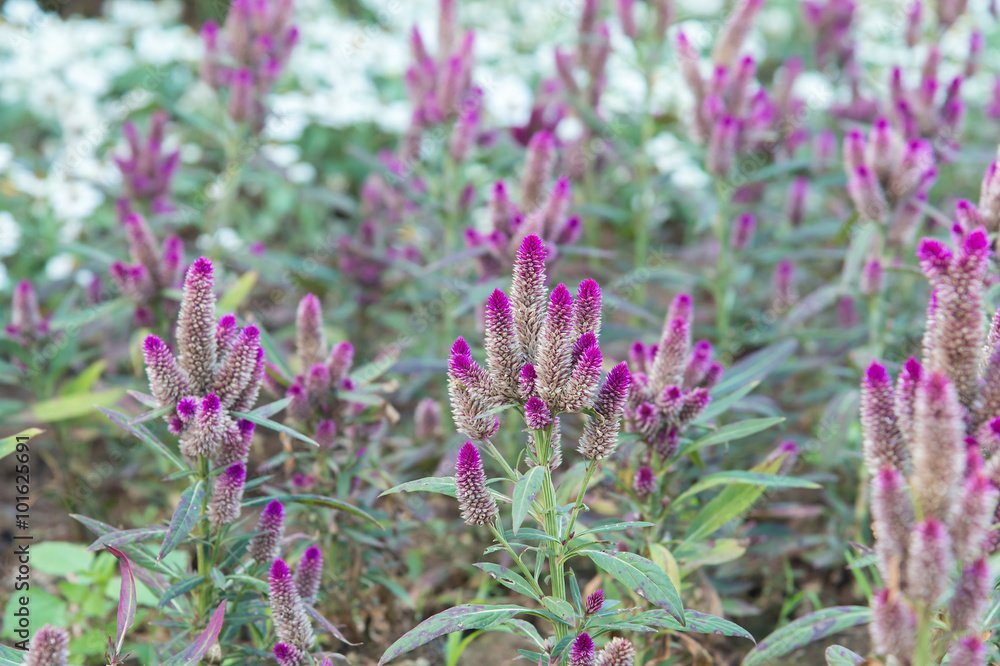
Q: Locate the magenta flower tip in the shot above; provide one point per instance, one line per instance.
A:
(187, 408)
(202, 267)
(236, 473)
(280, 570)
(594, 602)
(913, 368)
(153, 344)
(312, 554)
(210, 403)
(934, 252)
(468, 457)
(275, 510)
(876, 374)
(498, 300)
(977, 240)
(461, 348)
(532, 248)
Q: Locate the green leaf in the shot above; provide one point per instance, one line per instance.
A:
(271, 408)
(806, 630)
(58, 558)
(508, 578)
(732, 432)
(314, 500)
(695, 622)
(84, 381)
(445, 485)
(615, 526)
(643, 577)
(696, 554)
(837, 655)
(128, 602)
(179, 588)
(274, 425)
(531, 534)
(732, 502)
(459, 618)
(69, 407)
(9, 444)
(185, 516)
(233, 298)
(756, 366)
(525, 491)
(741, 477)
(560, 608)
(722, 405)
(142, 433)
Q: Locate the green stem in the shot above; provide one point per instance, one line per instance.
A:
(549, 507)
(508, 470)
(922, 654)
(498, 533)
(587, 475)
(205, 588)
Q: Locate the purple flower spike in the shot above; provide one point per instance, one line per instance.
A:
(196, 326)
(972, 597)
(892, 517)
(167, 382)
(265, 546)
(722, 146)
(427, 419)
(883, 443)
(937, 448)
(672, 353)
(288, 614)
(309, 338)
(588, 308)
(339, 362)
(537, 169)
(308, 574)
(968, 651)
(503, 359)
(326, 434)
(795, 206)
(537, 414)
(581, 652)
(555, 348)
(929, 562)
(600, 435)
(974, 517)
(527, 295)
(237, 375)
(743, 231)
(227, 493)
(594, 603)
(894, 625)
(586, 375)
(644, 483)
(526, 381)
(477, 504)
(289, 655)
(49, 647)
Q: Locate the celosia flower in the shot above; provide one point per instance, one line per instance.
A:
(971, 598)
(937, 446)
(892, 519)
(27, 323)
(581, 651)
(537, 414)
(265, 546)
(929, 562)
(644, 482)
(167, 382)
(147, 171)
(973, 517)
(289, 655)
(502, 354)
(227, 493)
(527, 295)
(871, 278)
(587, 315)
(326, 434)
(883, 442)
(618, 652)
(967, 651)
(537, 169)
(743, 231)
(49, 647)
(600, 434)
(196, 326)
(239, 372)
(905, 395)
(795, 205)
(474, 498)
(593, 603)
(310, 341)
(288, 614)
(784, 293)
(308, 574)
(894, 625)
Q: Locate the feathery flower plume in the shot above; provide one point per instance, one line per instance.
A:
(167, 382)
(308, 574)
(196, 326)
(893, 626)
(427, 419)
(49, 647)
(905, 396)
(581, 651)
(972, 597)
(227, 493)
(892, 514)
(593, 603)
(238, 371)
(478, 506)
(289, 655)
(527, 295)
(600, 435)
(929, 562)
(968, 651)
(795, 206)
(618, 652)
(883, 442)
(288, 614)
(537, 414)
(578, 394)
(147, 170)
(537, 169)
(339, 361)
(503, 359)
(265, 546)
(309, 337)
(784, 293)
(937, 446)
(973, 517)
(735, 32)
(644, 482)
(587, 315)
(27, 323)
(743, 230)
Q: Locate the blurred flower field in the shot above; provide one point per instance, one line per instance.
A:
(572, 333)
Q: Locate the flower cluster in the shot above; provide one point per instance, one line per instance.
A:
(889, 176)
(542, 355)
(617, 652)
(831, 21)
(218, 370)
(288, 613)
(671, 381)
(152, 269)
(315, 404)
(248, 54)
(147, 170)
(27, 325)
(929, 109)
(934, 498)
(440, 87)
(49, 647)
(541, 212)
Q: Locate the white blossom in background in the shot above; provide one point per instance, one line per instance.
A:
(10, 234)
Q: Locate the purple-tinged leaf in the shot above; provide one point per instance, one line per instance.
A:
(120, 538)
(327, 625)
(185, 516)
(144, 435)
(838, 655)
(127, 599)
(643, 577)
(806, 630)
(313, 500)
(459, 618)
(194, 652)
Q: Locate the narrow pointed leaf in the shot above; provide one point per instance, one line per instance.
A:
(806, 630)
(185, 516)
(459, 618)
(525, 491)
(314, 500)
(127, 599)
(643, 577)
